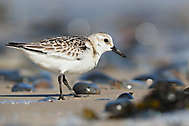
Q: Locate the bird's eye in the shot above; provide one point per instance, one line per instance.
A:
(106, 40)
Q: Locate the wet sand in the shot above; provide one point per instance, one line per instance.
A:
(27, 111)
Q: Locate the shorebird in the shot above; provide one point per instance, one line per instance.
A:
(68, 54)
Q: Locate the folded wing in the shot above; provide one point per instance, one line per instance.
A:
(68, 47)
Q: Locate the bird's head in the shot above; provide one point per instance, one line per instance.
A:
(103, 43)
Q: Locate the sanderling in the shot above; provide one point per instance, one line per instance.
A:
(68, 54)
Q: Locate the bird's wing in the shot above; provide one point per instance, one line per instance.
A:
(68, 47)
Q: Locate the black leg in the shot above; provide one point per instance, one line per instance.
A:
(61, 97)
(68, 86)
(66, 82)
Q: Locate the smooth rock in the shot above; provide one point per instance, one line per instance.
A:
(164, 98)
(10, 75)
(97, 77)
(120, 108)
(171, 82)
(186, 90)
(145, 77)
(86, 88)
(135, 84)
(126, 95)
(22, 87)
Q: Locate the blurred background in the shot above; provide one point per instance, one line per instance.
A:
(151, 33)
(154, 34)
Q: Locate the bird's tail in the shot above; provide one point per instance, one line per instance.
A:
(15, 45)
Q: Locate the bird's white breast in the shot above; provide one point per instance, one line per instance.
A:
(82, 65)
(62, 65)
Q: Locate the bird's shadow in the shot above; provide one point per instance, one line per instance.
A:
(45, 98)
(31, 95)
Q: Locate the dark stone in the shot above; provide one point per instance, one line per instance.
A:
(135, 84)
(145, 77)
(164, 98)
(86, 88)
(171, 82)
(10, 75)
(160, 78)
(186, 90)
(161, 99)
(22, 87)
(119, 108)
(97, 77)
(126, 95)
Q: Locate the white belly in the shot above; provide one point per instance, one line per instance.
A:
(63, 65)
(81, 66)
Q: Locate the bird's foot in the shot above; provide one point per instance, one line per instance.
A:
(61, 97)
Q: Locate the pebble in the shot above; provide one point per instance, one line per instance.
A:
(10, 75)
(119, 108)
(149, 79)
(86, 88)
(97, 77)
(161, 99)
(164, 98)
(159, 78)
(172, 82)
(145, 77)
(22, 87)
(126, 95)
(135, 84)
(186, 90)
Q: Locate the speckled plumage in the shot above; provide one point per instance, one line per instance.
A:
(73, 46)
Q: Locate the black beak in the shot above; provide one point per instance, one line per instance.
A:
(114, 49)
